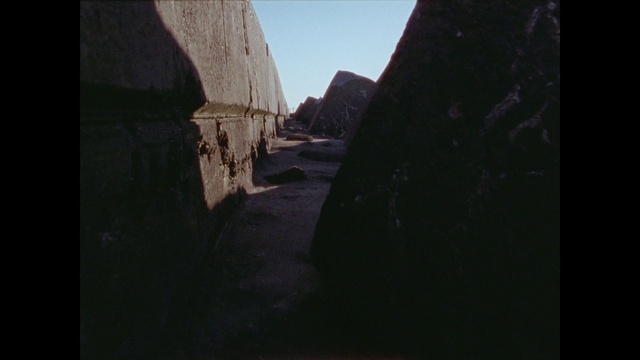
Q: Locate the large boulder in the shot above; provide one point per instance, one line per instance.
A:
(441, 228)
(345, 96)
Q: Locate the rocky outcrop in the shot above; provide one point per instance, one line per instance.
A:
(345, 96)
(441, 229)
(177, 101)
(306, 110)
(354, 125)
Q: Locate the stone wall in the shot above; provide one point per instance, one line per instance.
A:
(178, 98)
(441, 229)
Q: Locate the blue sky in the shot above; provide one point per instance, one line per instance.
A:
(311, 40)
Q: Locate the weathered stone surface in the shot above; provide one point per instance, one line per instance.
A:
(306, 110)
(225, 53)
(345, 96)
(441, 229)
(178, 98)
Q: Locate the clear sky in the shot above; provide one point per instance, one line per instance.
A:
(311, 40)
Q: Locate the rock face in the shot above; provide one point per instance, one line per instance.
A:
(177, 101)
(354, 125)
(441, 229)
(307, 109)
(346, 94)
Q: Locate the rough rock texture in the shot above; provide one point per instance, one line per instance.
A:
(441, 229)
(227, 59)
(306, 110)
(345, 95)
(354, 125)
(177, 101)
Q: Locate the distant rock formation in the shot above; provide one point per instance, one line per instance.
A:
(441, 229)
(177, 100)
(306, 110)
(345, 96)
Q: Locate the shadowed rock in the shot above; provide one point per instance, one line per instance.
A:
(354, 125)
(441, 229)
(347, 94)
(304, 113)
(293, 173)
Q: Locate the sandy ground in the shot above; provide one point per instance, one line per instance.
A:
(261, 297)
(263, 255)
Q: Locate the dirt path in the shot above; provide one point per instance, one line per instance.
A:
(261, 297)
(264, 253)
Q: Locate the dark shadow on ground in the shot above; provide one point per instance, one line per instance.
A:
(261, 297)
